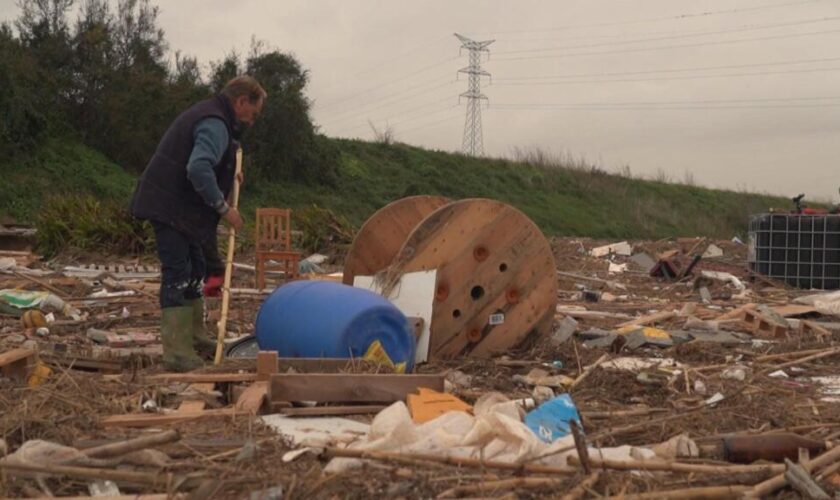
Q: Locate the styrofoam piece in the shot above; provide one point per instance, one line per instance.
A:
(620, 248)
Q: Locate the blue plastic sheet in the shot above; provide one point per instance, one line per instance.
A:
(551, 420)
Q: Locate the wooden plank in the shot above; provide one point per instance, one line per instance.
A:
(649, 319)
(812, 328)
(43, 284)
(155, 419)
(793, 310)
(251, 401)
(193, 378)
(14, 355)
(349, 387)
(583, 314)
(266, 364)
(325, 411)
(735, 313)
(83, 363)
(15, 253)
(314, 365)
(17, 363)
(199, 403)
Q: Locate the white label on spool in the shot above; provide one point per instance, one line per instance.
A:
(497, 319)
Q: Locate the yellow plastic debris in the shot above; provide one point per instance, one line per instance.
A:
(376, 353)
(39, 374)
(430, 404)
(650, 332)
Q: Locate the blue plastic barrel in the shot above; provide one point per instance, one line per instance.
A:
(321, 319)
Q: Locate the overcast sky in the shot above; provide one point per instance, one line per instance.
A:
(734, 93)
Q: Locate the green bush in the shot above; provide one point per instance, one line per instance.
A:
(323, 231)
(85, 223)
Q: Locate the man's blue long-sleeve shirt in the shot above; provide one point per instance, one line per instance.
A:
(210, 142)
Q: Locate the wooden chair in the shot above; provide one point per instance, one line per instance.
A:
(274, 242)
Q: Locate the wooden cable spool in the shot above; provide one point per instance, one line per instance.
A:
(381, 237)
(496, 280)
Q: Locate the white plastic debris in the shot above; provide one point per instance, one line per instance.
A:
(620, 248)
(291, 456)
(829, 388)
(679, 446)
(103, 488)
(542, 393)
(712, 251)
(317, 431)
(617, 268)
(738, 373)
(715, 399)
(637, 364)
(728, 277)
(105, 294)
(496, 432)
(316, 258)
(825, 303)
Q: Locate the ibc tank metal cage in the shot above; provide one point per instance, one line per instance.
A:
(803, 250)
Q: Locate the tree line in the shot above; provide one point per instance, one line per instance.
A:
(108, 78)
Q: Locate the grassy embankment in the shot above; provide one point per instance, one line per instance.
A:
(74, 193)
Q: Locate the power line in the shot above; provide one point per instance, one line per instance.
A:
(377, 87)
(694, 101)
(657, 19)
(614, 36)
(672, 78)
(658, 108)
(423, 106)
(398, 113)
(449, 117)
(701, 104)
(386, 103)
(673, 70)
(680, 36)
(412, 118)
(665, 47)
(386, 61)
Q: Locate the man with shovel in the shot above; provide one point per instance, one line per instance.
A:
(182, 193)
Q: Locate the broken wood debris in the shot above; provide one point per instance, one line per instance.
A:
(331, 388)
(787, 365)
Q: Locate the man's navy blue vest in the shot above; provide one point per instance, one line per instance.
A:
(165, 194)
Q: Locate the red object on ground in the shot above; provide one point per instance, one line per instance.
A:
(213, 285)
